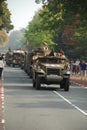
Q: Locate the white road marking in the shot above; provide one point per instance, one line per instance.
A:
(76, 107)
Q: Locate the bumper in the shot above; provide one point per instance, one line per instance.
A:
(54, 78)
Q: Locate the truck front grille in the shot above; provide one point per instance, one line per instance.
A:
(53, 71)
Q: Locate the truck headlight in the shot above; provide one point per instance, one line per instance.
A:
(68, 72)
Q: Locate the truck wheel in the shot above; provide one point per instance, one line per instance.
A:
(34, 84)
(66, 84)
(13, 65)
(62, 85)
(30, 73)
(38, 83)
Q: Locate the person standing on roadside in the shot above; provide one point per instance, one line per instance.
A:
(77, 66)
(1, 66)
(73, 66)
(83, 68)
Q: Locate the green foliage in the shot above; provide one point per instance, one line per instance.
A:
(3, 37)
(67, 22)
(36, 34)
(39, 1)
(5, 22)
(5, 15)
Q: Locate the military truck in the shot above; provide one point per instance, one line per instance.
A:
(18, 57)
(9, 58)
(51, 70)
(30, 59)
(28, 63)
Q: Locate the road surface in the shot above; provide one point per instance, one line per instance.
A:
(47, 109)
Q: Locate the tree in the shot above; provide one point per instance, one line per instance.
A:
(68, 19)
(3, 37)
(36, 34)
(16, 40)
(5, 22)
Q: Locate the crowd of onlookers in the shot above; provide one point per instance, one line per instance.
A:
(79, 68)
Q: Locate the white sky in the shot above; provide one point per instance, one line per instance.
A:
(22, 12)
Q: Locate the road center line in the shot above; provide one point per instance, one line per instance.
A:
(76, 107)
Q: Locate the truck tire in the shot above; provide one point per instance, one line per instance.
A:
(34, 84)
(66, 84)
(38, 82)
(62, 85)
(30, 73)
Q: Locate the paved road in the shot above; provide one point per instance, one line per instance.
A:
(45, 109)
(1, 105)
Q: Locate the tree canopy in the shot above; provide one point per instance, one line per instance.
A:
(16, 40)
(5, 21)
(36, 34)
(62, 24)
(68, 19)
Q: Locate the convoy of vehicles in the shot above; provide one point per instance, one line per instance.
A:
(42, 67)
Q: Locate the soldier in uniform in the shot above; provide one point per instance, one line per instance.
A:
(45, 48)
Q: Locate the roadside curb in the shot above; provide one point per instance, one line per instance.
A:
(78, 84)
(74, 83)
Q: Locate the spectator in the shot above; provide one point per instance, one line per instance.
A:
(77, 66)
(1, 66)
(83, 68)
(73, 67)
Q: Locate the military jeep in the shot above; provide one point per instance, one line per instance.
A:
(51, 70)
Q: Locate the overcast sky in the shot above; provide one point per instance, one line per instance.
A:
(22, 12)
